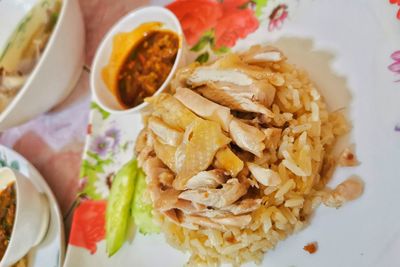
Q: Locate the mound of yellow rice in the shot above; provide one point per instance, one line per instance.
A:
(302, 158)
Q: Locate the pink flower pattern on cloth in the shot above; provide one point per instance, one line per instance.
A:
(277, 18)
(395, 67)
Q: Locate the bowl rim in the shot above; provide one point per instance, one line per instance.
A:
(16, 178)
(14, 102)
(108, 38)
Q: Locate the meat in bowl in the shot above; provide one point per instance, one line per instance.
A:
(23, 50)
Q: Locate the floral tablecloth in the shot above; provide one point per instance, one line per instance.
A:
(54, 141)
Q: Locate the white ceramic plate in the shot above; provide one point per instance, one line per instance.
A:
(349, 49)
(50, 252)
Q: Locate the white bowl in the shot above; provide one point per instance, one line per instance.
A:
(58, 69)
(31, 216)
(101, 93)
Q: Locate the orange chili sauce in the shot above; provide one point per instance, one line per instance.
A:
(137, 71)
(147, 67)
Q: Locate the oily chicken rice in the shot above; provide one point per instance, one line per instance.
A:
(237, 156)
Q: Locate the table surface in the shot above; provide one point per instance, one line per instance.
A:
(53, 142)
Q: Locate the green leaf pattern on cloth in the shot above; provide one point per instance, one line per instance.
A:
(260, 4)
(106, 147)
(103, 113)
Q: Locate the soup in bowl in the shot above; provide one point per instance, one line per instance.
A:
(7, 215)
(24, 216)
(41, 56)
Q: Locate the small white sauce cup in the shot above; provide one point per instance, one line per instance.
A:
(102, 95)
(31, 216)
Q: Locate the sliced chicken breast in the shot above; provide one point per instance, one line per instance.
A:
(204, 75)
(264, 176)
(227, 160)
(211, 213)
(188, 207)
(171, 111)
(166, 134)
(239, 208)
(204, 107)
(182, 75)
(240, 221)
(254, 98)
(262, 54)
(154, 168)
(247, 137)
(205, 139)
(244, 206)
(165, 153)
(230, 192)
(166, 199)
(172, 216)
(206, 179)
